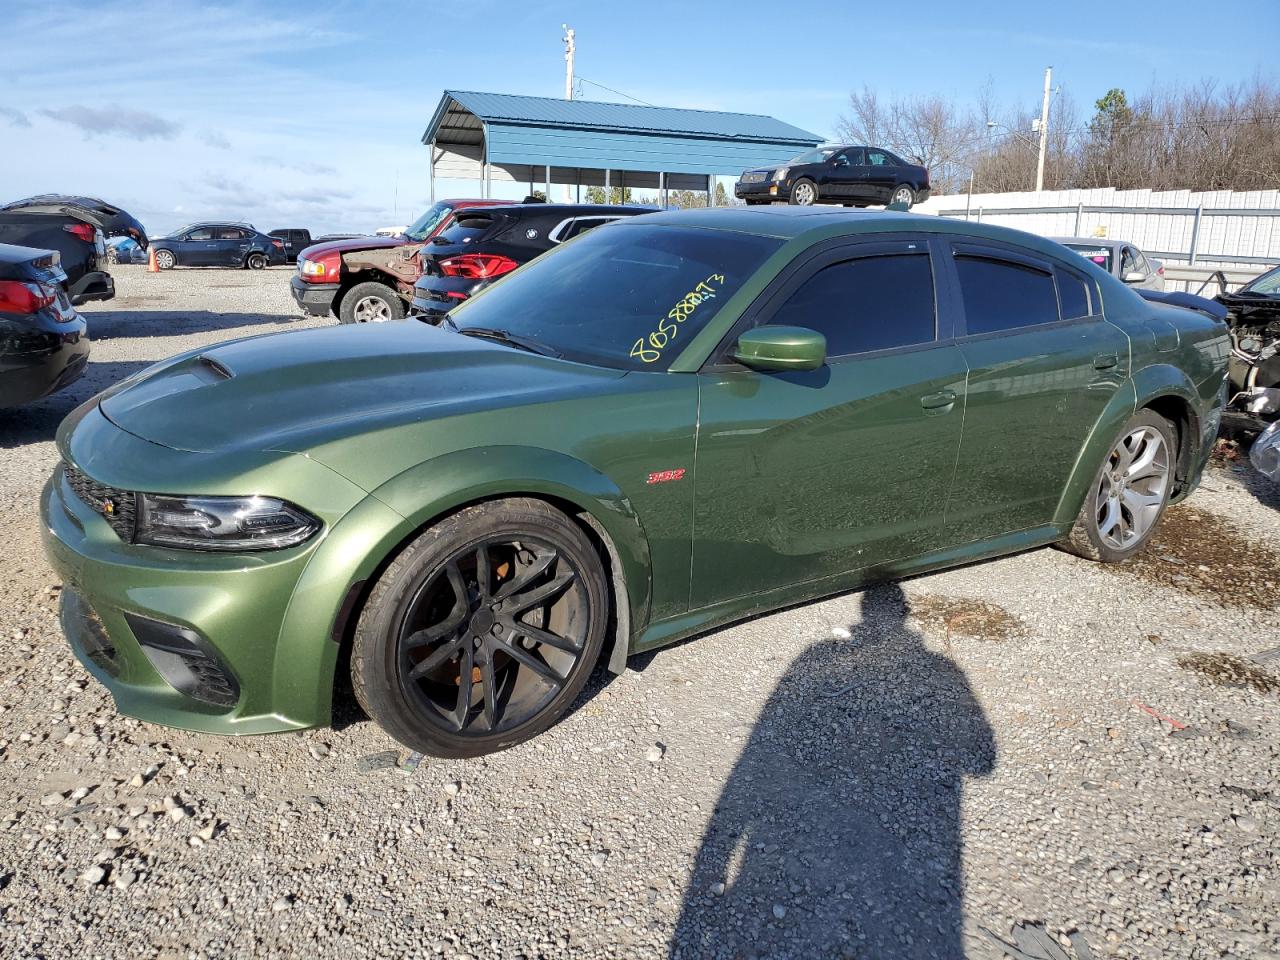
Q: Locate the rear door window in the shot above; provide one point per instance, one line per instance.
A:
(1004, 295)
(230, 233)
(867, 303)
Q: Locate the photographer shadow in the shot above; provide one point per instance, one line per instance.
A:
(838, 834)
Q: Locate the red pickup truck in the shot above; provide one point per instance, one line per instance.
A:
(370, 279)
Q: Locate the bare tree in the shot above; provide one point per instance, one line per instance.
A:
(931, 131)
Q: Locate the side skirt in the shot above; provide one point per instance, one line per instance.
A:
(674, 629)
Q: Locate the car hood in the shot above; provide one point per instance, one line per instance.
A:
(355, 243)
(112, 221)
(292, 392)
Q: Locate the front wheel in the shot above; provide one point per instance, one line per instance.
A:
(904, 194)
(804, 193)
(482, 632)
(370, 302)
(1129, 493)
(165, 260)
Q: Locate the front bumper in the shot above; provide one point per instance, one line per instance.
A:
(92, 286)
(220, 643)
(314, 298)
(764, 190)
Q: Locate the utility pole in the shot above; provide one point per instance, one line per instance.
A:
(1044, 129)
(570, 47)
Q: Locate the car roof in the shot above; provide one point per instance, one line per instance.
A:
(1092, 241)
(563, 210)
(820, 223)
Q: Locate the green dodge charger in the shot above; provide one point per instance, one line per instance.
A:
(667, 424)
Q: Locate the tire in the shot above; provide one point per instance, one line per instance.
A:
(486, 639)
(165, 260)
(804, 193)
(903, 194)
(370, 302)
(1108, 528)
(256, 261)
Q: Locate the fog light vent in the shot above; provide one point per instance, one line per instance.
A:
(83, 626)
(186, 660)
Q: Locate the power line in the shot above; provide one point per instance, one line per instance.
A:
(618, 92)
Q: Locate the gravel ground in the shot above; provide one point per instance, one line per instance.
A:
(1031, 749)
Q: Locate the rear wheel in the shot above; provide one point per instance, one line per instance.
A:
(483, 630)
(256, 261)
(165, 260)
(904, 194)
(804, 193)
(370, 302)
(1129, 493)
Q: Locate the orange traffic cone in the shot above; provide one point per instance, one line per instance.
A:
(151, 261)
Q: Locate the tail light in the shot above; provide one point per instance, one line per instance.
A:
(1160, 270)
(82, 230)
(278, 243)
(477, 266)
(324, 269)
(19, 297)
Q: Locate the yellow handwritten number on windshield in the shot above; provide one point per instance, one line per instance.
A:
(649, 349)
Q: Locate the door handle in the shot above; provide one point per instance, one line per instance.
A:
(1105, 361)
(942, 400)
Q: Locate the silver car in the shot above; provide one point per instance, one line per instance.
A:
(1120, 259)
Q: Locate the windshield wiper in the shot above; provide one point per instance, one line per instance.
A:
(511, 340)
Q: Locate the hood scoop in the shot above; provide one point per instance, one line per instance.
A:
(215, 369)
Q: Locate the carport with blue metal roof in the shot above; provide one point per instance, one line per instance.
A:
(543, 141)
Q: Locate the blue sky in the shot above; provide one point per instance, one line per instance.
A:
(310, 114)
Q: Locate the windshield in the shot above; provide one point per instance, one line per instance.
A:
(422, 228)
(1267, 285)
(1091, 251)
(623, 296)
(821, 155)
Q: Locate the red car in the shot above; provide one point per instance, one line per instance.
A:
(370, 279)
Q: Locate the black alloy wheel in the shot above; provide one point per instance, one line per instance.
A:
(486, 633)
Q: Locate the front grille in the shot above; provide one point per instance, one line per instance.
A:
(118, 507)
(753, 178)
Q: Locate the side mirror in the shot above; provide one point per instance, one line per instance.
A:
(1133, 276)
(781, 348)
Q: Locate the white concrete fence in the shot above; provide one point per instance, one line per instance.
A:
(1194, 234)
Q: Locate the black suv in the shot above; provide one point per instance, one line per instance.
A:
(851, 175)
(487, 242)
(219, 244)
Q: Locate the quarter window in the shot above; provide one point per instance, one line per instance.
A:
(1002, 295)
(871, 303)
(1073, 295)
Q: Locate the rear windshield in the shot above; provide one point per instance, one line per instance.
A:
(629, 296)
(467, 230)
(1091, 251)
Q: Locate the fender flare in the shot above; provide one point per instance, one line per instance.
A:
(360, 544)
(1140, 390)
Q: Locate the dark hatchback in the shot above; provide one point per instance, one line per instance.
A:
(76, 227)
(851, 175)
(485, 243)
(219, 244)
(43, 341)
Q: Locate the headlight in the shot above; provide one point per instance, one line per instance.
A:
(781, 173)
(222, 523)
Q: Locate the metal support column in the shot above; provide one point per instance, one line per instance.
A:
(431, 169)
(487, 186)
(1079, 219)
(662, 189)
(606, 186)
(548, 183)
(711, 191)
(1195, 232)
